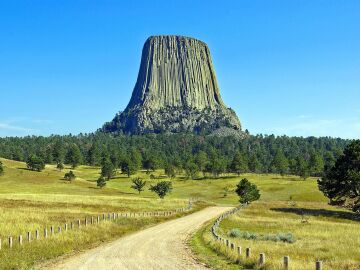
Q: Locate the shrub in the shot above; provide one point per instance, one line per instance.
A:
(69, 176)
(280, 237)
(235, 233)
(286, 237)
(35, 163)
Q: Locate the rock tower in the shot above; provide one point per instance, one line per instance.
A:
(176, 91)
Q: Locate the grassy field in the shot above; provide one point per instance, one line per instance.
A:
(34, 200)
(288, 206)
(31, 200)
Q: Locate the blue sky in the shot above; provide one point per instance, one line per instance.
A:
(285, 67)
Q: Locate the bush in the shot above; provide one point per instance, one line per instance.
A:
(286, 237)
(235, 233)
(69, 176)
(35, 163)
(280, 237)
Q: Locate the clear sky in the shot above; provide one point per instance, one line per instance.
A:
(285, 67)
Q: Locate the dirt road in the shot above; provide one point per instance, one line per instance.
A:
(159, 247)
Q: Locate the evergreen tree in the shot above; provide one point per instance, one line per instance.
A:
(129, 167)
(238, 164)
(280, 164)
(247, 191)
(162, 188)
(58, 152)
(191, 170)
(93, 156)
(254, 164)
(316, 164)
(170, 170)
(1, 168)
(69, 176)
(138, 184)
(74, 156)
(35, 163)
(201, 160)
(60, 166)
(108, 169)
(342, 182)
(101, 182)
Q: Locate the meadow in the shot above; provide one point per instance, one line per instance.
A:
(287, 206)
(30, 200)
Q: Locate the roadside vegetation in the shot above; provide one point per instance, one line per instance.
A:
(288, 220)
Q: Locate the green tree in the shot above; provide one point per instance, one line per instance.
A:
(316, 164)
(247, 191)
(101, 182)
(1, 168)
(138, 184)
(341, 184)
(93, 155)
(170, 170)
(300, 167)
(108, 169)
(128, 167)
(280, 164)
(191, 170)
(238, 164)
(254, 164)
(69, 176)
(60, 166)
(150, 164)
(162, 188)
(201, 160)
(35, 163)
(58, 152)
(74, 156)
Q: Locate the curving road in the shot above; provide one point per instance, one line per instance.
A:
(159, 247)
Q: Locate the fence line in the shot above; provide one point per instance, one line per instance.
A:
(231, 246)
(88, 221)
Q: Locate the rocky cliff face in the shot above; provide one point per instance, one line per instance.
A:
(176, 91)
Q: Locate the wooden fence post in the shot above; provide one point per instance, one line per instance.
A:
(98, 219)
(20, 240)
(36, 234)
(318, 265)
(103, 216)
(248, 252)
(262, 259)
(52, 230)
(65, 227)
(79, 223)
(71, 225)
(29, 236)
(0, 243)
(10, 242)
(59, 229)
(239, 250)
(227, 242)
(286, 262)
(86, 223)
(114, 216)
(92, 220)
(45, 233)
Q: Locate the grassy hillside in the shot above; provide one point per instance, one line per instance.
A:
(323, 232)
(34, 200)
(30, 200)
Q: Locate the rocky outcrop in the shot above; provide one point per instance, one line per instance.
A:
(176, 91)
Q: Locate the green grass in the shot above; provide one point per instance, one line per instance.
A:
(329, 233)
(31, 200)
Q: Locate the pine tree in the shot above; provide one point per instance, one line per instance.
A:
(101, 182)
(247, 191)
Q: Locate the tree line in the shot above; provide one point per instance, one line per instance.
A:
(194, 155)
